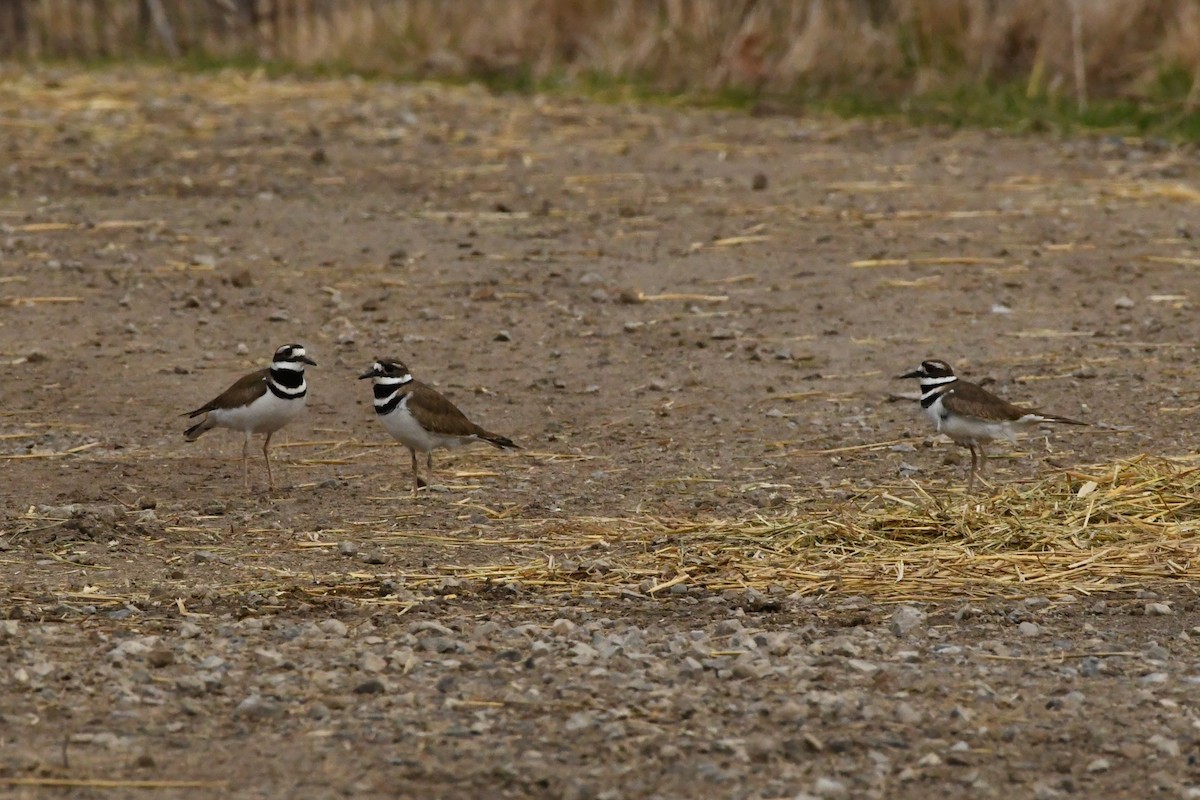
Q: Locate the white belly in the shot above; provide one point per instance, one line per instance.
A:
(405, 429)
(967, 430)
(267, 414)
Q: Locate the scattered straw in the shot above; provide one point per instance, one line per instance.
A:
(100, 783)
(1101, 529)
(57, 454)
(34, 301)
(1049, 333)
(1109, 528)
(736, 241)
(681, 297)
(928, 262)
(1181, 261)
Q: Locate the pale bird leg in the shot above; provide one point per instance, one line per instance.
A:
(267, 456)
(245, 469)
(974, 468)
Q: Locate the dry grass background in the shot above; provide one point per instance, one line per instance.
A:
(1073, 48)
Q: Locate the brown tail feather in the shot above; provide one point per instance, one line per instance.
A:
(1062, 420)
(503, 442)
(193, 433)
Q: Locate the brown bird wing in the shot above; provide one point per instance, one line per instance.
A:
(436, 413)
(245, 391)
(971, 400)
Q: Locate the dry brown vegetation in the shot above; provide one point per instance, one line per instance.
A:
(1098, 48)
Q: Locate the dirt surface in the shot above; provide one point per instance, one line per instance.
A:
(676, 313)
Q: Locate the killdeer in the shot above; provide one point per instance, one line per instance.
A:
(261, 402)
(970, 414)
(420, 418)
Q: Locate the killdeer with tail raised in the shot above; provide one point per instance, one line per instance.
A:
(420, 418)
(971, 415)
(261, 402)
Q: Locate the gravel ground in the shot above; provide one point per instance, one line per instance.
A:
(1040, 698)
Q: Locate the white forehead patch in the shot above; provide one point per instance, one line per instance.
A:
(287, 355)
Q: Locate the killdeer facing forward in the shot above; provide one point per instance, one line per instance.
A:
(420, 418)
(261, 402)
(970, 414)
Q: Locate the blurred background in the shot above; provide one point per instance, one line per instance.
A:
(874, 51)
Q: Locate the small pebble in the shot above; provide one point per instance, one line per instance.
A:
(372, 662)
(255, 707)
(905, 620)
(859, 665)
(334, 627)
(160, 658)
(580, 720)
(828, 787)
(563, 627)
(1165, 745)
(372, 686)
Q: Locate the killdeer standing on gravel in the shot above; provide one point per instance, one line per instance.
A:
(261, 402)
(970, 414)
(420, 418)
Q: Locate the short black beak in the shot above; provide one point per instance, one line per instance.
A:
(371, 373)
(916, 373)
(307, 360)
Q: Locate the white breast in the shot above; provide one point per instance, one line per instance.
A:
(965, 430)
(267, 414)
(404, 428)
(934, 411)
